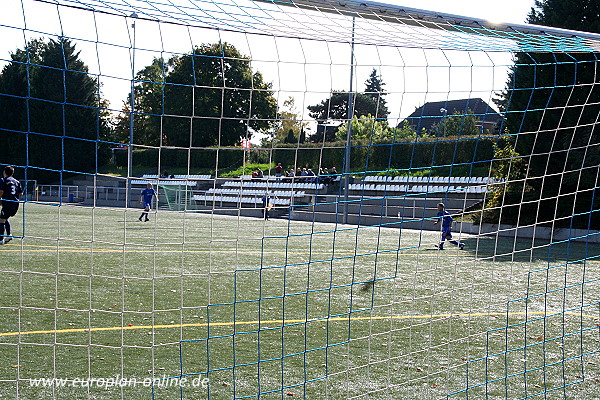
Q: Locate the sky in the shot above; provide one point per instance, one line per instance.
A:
(305, 70)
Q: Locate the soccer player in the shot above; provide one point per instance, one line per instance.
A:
(146, 200)
(446, 219)
(266, 202)
(10, 190)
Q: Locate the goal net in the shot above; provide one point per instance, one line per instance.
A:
(312, 198)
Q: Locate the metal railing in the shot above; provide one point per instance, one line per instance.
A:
(61, 191)
(105, 193)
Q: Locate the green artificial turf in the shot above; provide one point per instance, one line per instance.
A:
(285, 309)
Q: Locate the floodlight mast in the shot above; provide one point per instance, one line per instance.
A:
(434, 20)
(129, 195)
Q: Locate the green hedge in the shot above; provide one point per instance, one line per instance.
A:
(199, 159)
(469, 152)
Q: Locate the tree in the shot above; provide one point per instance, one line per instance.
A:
(148, 94)
(336, 107)
(290, 138)
(405, 131)
(48, 92)
(552, 101)
(207, 98)
(302, 138)
(288, 126)
(457, 124)
(374, 89)
(366, 128)
(503, 202)
(324, 133)
(581, 15)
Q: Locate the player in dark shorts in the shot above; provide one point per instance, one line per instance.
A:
(10, 190)
(446, 219)
(146, 200)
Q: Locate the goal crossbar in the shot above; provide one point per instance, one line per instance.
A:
(436, 20)
(526, 37)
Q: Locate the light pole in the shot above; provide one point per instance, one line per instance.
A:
(444, 114)
(131, 115)
(346, 181)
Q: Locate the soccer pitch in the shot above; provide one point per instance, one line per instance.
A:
(279, 308)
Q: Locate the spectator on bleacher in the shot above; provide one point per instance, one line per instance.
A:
(254, 175)
(324, 177)
(304, 175)
(289, 176)
(334, 176)
(164, 174)
(278, 170)
(311, 175)
(298, 175)
(260, 174)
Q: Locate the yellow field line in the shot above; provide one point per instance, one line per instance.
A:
(16, 248)
(178, 251)
(72, 249)
(280, 322)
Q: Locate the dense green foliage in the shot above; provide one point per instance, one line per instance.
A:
(366, 129)
(552, 102)
(147, 105)
(452, 156)
(335, 108)
(207, 98)
(504, 202)
(46, 90)
(457, 124)
(288, 126)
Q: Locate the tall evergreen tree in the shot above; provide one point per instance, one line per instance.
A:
(374, 89)
(290, 138)
(46, 90)
(552, 102)
(288, 121)
(581, 15)
(335, 108)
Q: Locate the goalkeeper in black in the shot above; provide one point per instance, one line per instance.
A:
(10, 191)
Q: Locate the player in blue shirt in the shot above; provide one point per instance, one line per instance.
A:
(446, 219)
(266, 202)
(146, 200)
(10, 190)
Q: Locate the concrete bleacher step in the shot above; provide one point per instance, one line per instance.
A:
(353, 219)
(365, 220)
(89, 180)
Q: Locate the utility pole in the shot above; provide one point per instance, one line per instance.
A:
(129, 196)
(346, 177)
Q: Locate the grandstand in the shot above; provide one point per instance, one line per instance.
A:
(371, 198)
